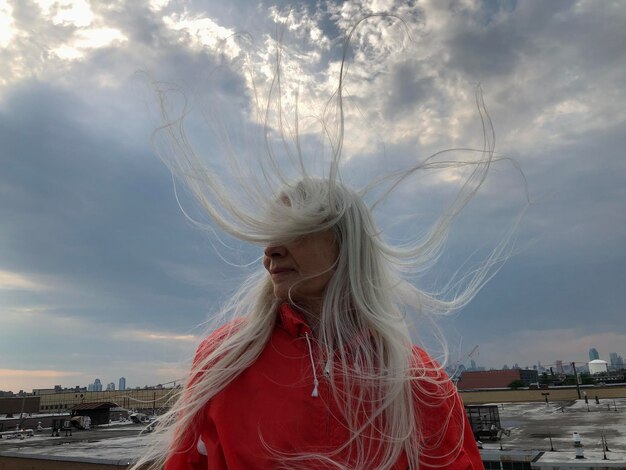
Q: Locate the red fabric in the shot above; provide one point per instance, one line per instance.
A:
(271, 401)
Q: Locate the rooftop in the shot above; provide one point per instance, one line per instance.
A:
(542, 427)
(531, 426)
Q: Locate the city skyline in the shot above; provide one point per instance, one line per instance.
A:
(100, 270)
(614, 360)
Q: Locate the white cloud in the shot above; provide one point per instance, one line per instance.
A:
(16, 281)
(7, 30)
(86, 39)
(204, 32)
(69, 12)
(154, 336)
(158, 5)
(27, 379)
(24, 373)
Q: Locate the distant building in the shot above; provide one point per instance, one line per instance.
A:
(96, 386)
(122, 383)
(59, 389)
(471, 380)
(19, 405)
(598, 366)
(100, 413)
(616, 360)
(593, 354)
(111, 386)
(559, 367)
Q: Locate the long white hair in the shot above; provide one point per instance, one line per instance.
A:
(368, 292)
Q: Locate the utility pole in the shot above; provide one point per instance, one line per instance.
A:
(576, 377)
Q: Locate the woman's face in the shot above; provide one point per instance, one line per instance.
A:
(302, 268)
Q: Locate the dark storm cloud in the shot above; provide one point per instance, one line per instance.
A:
(486, 52)
(488, 49)
(490, 43)
(570, 268)
(408, 87)
(87, 211)
(91, 205)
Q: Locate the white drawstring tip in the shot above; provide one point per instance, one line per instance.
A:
(315, 393)
(201, 447)
(316, 382)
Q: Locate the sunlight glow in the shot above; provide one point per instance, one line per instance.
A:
(204, 32)
(44, 374)
(67, 52)
(88, 39)
(69, 12)
(14, 281)
(158, 5)
(143, 335)
(6, 23)
(98, 37)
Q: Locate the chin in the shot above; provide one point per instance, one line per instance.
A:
(281, 295)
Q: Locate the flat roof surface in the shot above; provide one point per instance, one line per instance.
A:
(109, 442)
(530, 424)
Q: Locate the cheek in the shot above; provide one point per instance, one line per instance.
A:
(328, 259)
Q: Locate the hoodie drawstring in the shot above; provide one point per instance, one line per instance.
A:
(315, 392)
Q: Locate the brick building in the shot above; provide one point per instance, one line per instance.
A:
(471, 380)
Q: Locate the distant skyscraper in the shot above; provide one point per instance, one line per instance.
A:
(122, 383)
(559, 367)
(473, 364)
(616, 360)
(111, 386)
(97, 385)
(593, 354)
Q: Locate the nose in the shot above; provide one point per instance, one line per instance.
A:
(272, 251)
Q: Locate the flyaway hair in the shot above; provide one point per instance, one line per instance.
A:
(363, 328)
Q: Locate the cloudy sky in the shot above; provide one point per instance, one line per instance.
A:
(101, 274)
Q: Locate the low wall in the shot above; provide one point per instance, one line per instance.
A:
(15, 461)
(46, 421)
(556, 394)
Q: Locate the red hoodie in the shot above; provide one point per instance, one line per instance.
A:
(271, 405)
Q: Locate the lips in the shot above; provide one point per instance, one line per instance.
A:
(276, 272)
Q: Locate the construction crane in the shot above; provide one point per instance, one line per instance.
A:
(453, 370)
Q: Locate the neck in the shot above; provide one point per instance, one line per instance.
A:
(311, 310)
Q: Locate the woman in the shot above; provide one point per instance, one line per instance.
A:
(316, 368)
